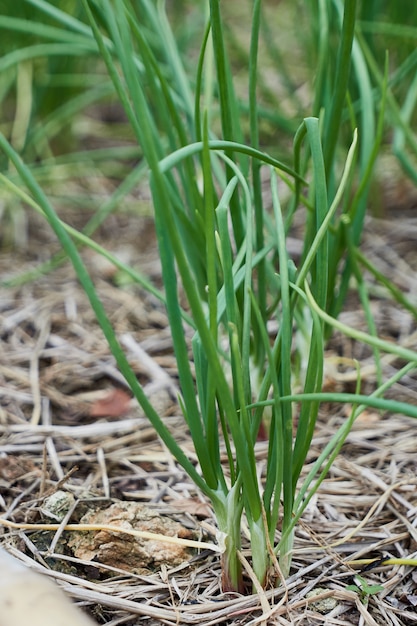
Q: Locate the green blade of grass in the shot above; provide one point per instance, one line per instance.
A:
(334, 116)
(284, 430)
(321, 269)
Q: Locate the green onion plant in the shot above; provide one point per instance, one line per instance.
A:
(260, 318)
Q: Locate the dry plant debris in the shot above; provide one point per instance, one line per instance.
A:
(67, 423)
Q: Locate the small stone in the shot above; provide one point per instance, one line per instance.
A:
(57, 505)
(324, 605)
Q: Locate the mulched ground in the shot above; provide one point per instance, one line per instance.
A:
(68, 425)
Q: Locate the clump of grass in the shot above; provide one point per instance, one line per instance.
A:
(228, 251)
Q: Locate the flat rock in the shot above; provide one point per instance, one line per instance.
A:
(127, 552)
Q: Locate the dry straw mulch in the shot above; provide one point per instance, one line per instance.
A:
(68, 425)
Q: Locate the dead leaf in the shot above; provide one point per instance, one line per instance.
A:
(115, 403)
(194, 506)
(14, 467)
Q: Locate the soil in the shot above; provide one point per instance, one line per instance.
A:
(68, 425)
